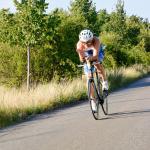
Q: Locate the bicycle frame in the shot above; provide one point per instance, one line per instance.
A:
(91, 79)
(96, 86)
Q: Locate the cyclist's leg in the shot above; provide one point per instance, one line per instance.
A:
(88, 76)
(101, 71)
(102, 74)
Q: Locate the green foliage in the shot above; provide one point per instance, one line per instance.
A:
(133, 30)
(65, 54)
(52, 39)
(111, 39)
(117, 22)
(31, 21)
(109, 61)
(102, 18)
(86, 10)
(145, 34)
(8, 26)
(13, 65)
(138, 55)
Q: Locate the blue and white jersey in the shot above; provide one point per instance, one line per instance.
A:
(89, 52)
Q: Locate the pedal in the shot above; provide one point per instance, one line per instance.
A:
(105, 93)
(102, 101)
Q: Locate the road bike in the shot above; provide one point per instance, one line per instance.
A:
(100, 97)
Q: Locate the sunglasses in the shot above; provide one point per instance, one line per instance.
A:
(88, 42)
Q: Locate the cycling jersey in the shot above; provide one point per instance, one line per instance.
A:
(94, 49)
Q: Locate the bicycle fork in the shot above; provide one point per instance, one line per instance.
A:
(100, 99)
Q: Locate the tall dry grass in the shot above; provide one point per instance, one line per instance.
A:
(123, 76)
(41, 95)
(18, 104)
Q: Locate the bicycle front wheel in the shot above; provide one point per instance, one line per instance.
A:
(93, 94)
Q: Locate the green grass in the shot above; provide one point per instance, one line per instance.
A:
(17, 105)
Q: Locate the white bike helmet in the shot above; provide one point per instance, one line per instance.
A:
(85, 35)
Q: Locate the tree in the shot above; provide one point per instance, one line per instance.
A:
(7, 26)
(145, 34)
(116, 28)
(86, 10)
(133, 30)
(31, 26)
(102, 18)
(117, 21)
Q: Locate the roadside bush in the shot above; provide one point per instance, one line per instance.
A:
(13, 65)
(109, 61)
(138, 55)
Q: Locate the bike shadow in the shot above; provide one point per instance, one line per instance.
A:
(127, 114)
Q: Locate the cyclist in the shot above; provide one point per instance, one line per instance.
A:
(89, 49)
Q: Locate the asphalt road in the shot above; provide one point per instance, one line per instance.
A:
(127, 127)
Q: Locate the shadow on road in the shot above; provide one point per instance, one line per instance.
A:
(130, 100)
(127, 114)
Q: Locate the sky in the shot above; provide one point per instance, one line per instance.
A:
(132, 7)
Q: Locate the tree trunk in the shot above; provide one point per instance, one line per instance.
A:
(28, 67)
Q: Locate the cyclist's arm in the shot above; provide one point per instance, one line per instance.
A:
(80, 52)
(96, 49)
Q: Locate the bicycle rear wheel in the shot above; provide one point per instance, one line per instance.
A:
(105, 103)
(103, 97)
(92, 89)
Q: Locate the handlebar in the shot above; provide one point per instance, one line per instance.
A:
(93, 63)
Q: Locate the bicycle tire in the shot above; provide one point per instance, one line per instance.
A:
(103, 97)
(105, 104)
(95, 114)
